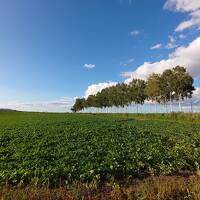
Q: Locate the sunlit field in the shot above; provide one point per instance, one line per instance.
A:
(100, 100)
(58, 153)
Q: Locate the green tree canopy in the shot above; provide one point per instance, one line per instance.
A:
(172, 84)
(153, 88)
(79, 105)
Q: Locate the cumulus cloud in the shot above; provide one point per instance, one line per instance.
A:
(157, 46)
(95, 88)
(192, 7)
(128, 62)
(135, 32)
(89, 66)
(187, 57)
(61, 105)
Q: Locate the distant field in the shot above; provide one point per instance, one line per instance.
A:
(54, 148)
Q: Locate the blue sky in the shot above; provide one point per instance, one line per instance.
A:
(53, 49)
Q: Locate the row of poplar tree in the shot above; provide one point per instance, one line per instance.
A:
(172, 85)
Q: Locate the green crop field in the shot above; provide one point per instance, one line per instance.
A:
(54, 148)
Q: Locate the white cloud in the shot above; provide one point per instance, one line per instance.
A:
(89, 66)
(194, 21)
(187, 57)
(157, 46)
(189, 6)
(195, 98)
(126, 74)
(95, 88)
(196, 95)
(182, 5)
(135, 32)
(128, 62)
(61, 105)
(181, 36)
(172, 43)
(172, 39)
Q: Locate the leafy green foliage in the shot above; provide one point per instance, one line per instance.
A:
(51, 148)
(173, 84)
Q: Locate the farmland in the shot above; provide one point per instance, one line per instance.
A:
(60, 149)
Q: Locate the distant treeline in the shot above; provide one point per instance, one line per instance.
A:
(7, 110)
(172, 85)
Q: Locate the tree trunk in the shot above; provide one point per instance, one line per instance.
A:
(166, 105)
(180, 109)
(171, 110)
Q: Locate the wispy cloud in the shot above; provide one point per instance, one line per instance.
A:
(125, 1)
(61, 105)
(157, 46)
(89, 66)
(126, 74)
(172, 43)
(181, 36)
(127, 62)
(192, 7)
(194, 21)
(135, 33)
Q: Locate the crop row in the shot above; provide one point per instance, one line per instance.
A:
(53, 148)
